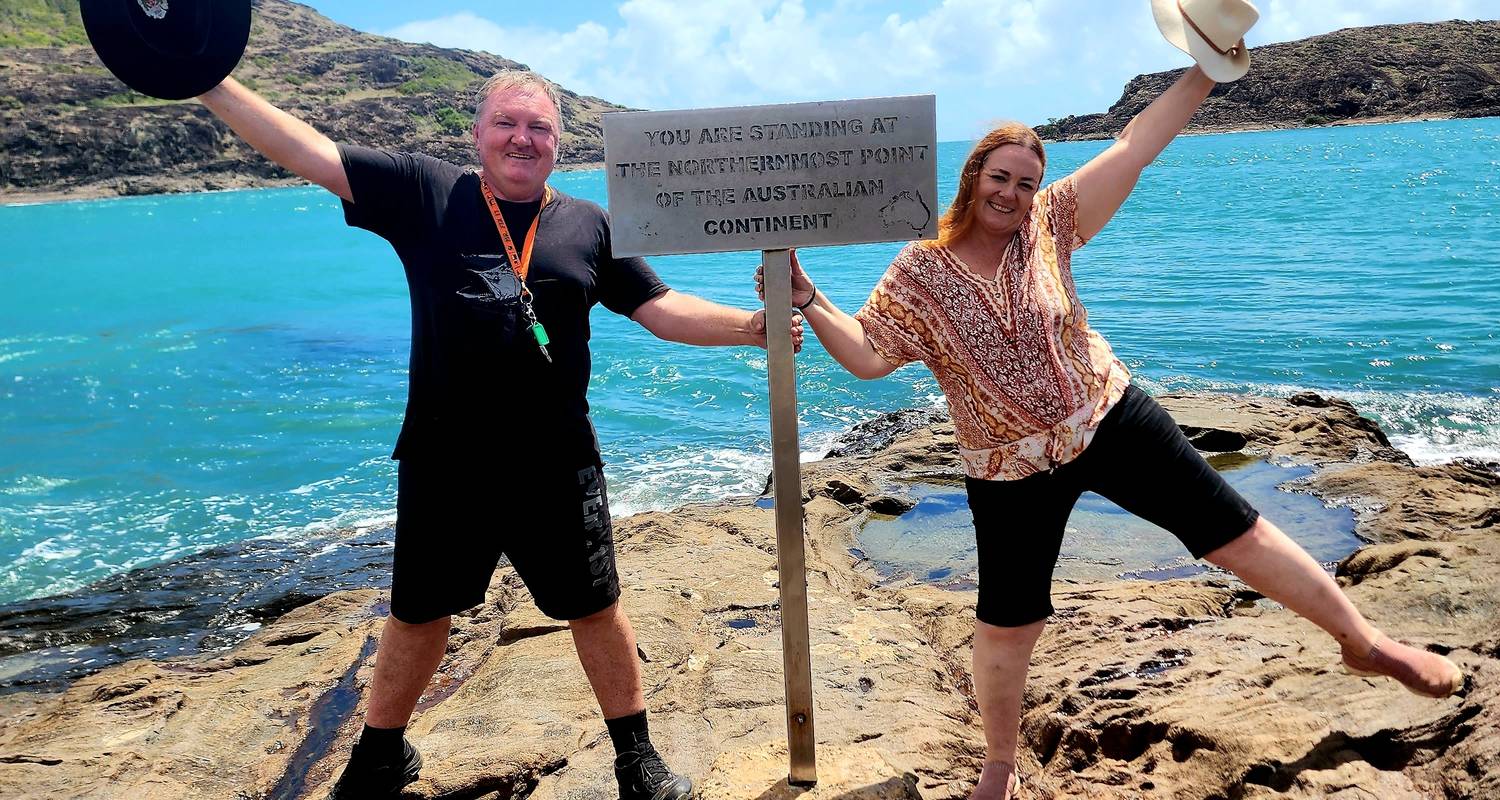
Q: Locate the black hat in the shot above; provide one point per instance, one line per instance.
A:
(171, 49)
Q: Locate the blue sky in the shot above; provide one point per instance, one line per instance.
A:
(985, 60)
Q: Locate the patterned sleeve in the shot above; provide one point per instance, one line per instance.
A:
(892, 317)
(1061, 202)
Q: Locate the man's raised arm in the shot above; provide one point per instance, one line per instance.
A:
(279, 136)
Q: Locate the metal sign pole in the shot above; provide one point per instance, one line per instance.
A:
(787, 479)
(725, 180)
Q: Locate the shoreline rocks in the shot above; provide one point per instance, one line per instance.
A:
(1176, 689)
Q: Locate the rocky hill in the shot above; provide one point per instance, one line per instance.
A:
(1378, 73)
(69, 128)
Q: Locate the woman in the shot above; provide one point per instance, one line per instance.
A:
(1043, 410)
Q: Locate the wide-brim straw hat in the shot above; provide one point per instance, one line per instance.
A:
(171, 49)
(1211, 31)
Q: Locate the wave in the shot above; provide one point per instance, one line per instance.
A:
(685, 474)
(1431, 427)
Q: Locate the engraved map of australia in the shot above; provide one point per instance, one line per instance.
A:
(906, 209)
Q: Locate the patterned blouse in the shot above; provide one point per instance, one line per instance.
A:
(1027, 380)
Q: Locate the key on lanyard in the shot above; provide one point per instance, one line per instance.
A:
(538, 333)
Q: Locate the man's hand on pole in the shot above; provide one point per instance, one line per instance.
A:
(758, 327)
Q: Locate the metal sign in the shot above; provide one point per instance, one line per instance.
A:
(772, 177)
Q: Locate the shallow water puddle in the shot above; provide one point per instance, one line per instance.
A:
(324, 723)
(934, 541)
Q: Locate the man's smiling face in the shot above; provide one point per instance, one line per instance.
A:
(517, 136)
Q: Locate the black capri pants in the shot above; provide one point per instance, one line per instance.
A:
(1139, 460)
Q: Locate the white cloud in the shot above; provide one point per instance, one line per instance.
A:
(1285, 20)
(1026, 59)
(568, 57)
(986, 39)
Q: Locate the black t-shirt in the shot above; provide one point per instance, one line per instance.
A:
(479, 385)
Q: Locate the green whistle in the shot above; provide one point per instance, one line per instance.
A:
(540, 333)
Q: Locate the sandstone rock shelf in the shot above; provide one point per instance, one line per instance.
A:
(1175, 689)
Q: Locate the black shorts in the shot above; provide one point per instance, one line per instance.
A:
(455, 520)
(1138, 459)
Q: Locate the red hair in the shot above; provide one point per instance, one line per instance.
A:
(959, 220)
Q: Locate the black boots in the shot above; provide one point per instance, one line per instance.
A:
(371, 777)
(643, 776)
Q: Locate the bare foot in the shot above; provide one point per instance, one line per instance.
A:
(1421, 672)
(998, 781)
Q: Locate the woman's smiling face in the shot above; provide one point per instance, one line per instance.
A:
(1003, 192)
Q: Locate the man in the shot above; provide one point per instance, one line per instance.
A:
(497, 454)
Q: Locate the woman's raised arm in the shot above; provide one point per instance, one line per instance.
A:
(1108, 178)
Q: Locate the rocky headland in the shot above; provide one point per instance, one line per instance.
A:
(1380, 73)
(1192, 688)
(70, 129)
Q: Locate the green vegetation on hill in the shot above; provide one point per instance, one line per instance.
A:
(453, 121)
(40, 23)
(437, 75)
(128, 98)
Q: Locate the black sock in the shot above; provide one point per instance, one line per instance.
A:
(381, 742)
(628, 733)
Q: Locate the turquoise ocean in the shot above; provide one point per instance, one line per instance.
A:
(183, 372)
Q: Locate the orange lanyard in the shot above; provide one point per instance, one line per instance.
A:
(518, 264)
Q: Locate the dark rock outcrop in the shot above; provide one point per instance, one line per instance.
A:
(1372, 74)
